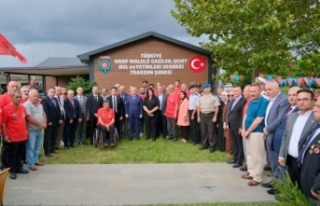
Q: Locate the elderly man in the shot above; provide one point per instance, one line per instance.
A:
(207, 110)
(277, 107)
(15, 133)
(37, 121)
(53, 113)
(171, 112)
(81, 133)
(309, 159)
(60, 127)
(252, 130)
(25, 94)
(6, 99)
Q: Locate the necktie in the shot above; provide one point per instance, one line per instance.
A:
(96, 97)
(80, 98)
(234, 103)
(114, 103)
(53, 102)
(72, 102)
(289, 111)
(307, 143)
(133, 96)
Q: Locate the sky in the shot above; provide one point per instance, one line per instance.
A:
(40, 29)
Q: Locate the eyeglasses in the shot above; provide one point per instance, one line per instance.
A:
(303, 99)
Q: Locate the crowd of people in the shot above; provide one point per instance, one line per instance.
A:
(259, 124)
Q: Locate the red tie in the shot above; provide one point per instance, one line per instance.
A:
(289, 110)
(72, 103)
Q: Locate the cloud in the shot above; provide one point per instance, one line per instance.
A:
(56, 27)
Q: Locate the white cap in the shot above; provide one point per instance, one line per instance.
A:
(260, 80)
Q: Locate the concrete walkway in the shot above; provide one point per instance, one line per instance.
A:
(132, 184)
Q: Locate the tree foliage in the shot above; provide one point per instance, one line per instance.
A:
(256, 36)
(81, 82)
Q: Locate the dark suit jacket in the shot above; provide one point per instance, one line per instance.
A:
(52, 110)
(234, 116)
(120, 104)
(134, 106)
(72, 113)
(163, 103)
(277, 138)
(310, 168)
(93, 105)
(124, 97)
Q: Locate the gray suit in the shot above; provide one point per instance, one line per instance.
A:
(279, 107)
(81, 132)
(292, 162)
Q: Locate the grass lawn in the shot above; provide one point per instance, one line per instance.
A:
(137, 152)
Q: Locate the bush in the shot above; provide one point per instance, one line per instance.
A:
(81, 82)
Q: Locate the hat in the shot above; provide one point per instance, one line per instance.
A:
(206, 85)
(260, 80)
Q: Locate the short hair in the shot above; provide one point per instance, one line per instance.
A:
(255, 85)
(52, 88)
(15, 92)
(106, 101)
(145, 81)
(114, 88)
(24, 87)
(306, 91)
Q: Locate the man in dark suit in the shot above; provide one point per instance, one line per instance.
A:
(73, 117)
(53, 113)
(134, 113)
(234, 120)
(278, 170)
(277, 107)
(124, 124)
(81, 133)
(162, 120)
(116, 104)
(298, 126)
(309, 160)
(94, 102)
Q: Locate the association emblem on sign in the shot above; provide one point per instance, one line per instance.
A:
(105, 65)
(197, 64)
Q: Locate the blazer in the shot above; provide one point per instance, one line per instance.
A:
(120, 108)
(93, 105)
(72, 113)
(234, 116)
(124, 97)
(52, 110)
(134, 106)
(288, 131)
(310, 167)
(183, 112)
(84, 112)
(61, 106)
(163, 103)
(276, 112)
(278, 134)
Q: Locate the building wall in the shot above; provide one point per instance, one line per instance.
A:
(130, 66)
(50, 81)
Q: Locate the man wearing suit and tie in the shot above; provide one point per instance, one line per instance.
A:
(134, 113)
(298, 126)
(60, 127)
(162, 120)
(309, 160)
(278, 105)
(117, 105)
(53, 113)
(81, 133)
(94, 102)
(234, 120)
(124, 125)
(73, 117)
(278, 170)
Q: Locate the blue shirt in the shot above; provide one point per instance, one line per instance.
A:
(256, 108)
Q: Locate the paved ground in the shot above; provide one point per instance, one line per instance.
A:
(132, 184)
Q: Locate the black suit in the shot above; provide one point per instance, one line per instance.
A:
(234, 120)
(124, 124)
(118, 110)
(309, 158)
(162, 120)
(73, 112)
(92, 107)
(53, 113)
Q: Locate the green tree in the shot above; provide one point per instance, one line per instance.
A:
(81, 82)
(256, 36)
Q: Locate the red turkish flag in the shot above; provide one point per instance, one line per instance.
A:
(197, 64)
(7, 49)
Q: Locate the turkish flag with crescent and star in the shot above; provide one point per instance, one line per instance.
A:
(197, 64)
